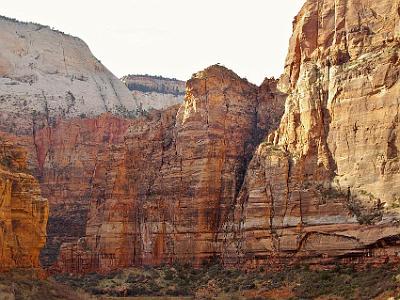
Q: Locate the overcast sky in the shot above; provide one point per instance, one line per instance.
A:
(173, 38)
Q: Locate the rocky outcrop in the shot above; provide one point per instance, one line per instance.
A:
(46, 73)
(326, 183)
(179, 178)
(23, 212)
(155, 92)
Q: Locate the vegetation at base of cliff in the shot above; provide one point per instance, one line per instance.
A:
(24, 284)
(215, 282)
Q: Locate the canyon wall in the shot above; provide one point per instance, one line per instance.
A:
(181, 172)
(326, 183)
(23, 212)
(77, 161)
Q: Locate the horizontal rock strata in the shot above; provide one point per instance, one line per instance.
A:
(326, 183)
(181, 174)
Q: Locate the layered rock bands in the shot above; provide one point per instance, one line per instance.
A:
(158, 189)
(326, 183)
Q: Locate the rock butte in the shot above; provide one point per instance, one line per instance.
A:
(303, 169)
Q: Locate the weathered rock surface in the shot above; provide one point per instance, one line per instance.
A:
(78, 163)
(23, 212)
(179, 178)
(46, 72)
(155, 91)
(326, 183)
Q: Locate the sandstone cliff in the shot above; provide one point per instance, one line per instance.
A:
(78, 163)
(326, 183)
(23, 212)
(155, 91)
(179, 177)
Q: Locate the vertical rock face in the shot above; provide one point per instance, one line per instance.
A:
(77, 163)
(326, 183)
(178, 183)
(271, 106)
(216, 131)
(155, 92)
(23, 212)
(113, 230)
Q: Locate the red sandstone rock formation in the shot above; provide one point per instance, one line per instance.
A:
(23, 212)
(326, 183)
(78, 162)
(181, 174)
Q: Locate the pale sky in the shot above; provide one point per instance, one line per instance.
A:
(173, 38)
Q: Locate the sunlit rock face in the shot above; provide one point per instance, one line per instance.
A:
(179, 179)
(326, 183)
(23, 212)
